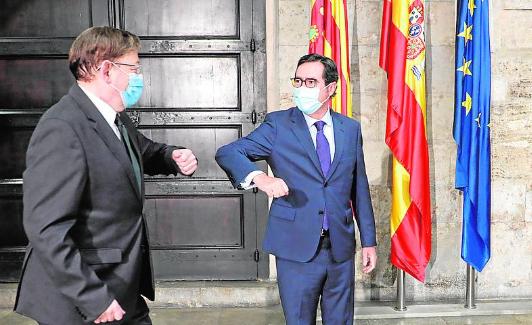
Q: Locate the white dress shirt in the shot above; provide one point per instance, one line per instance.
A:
(108, 113)
(328, 130)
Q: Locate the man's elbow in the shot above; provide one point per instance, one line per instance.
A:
(222, 152)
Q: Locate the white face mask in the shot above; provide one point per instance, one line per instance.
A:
(306, 99)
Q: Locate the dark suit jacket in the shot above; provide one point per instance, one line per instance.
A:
(294, 224)
(83, 215)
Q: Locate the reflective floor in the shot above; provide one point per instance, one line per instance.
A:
(274, 316)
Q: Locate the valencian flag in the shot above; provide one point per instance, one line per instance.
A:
(471, 128)
(402, 56)
(329, 37)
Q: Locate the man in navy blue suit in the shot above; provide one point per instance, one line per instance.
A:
(317, 159)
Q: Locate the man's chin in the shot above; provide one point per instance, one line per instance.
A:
(119, 109)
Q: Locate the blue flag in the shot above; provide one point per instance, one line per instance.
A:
(471, 128)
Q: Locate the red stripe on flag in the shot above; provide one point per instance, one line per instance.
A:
(344, 94)
(316, 18)
(336, 55)
(409, 250)
(385, 35)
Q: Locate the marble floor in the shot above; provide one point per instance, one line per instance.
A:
(274, 316)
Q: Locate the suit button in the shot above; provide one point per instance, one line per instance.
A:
(321, 212)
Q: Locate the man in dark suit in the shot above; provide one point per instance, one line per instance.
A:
(88, 258)
(317, 159)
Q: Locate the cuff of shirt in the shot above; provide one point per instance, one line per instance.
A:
(247, 183)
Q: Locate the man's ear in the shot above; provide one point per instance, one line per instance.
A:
(104, 71)
(332, 88)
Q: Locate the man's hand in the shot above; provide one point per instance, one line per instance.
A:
(272, 186)
(369, 259)
(112, 313)
(185, 160)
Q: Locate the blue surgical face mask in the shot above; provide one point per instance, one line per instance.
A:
(135, 85)
(306, 99)
(132, 94)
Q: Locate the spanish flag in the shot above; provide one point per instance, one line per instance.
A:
(402, 56)
(329, 37)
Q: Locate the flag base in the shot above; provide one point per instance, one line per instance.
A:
(400, 303)
(470, 288)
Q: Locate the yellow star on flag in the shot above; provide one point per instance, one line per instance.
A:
(471, 6)
(466, 34)
(478, 119)
(467, 103)
(465, 68)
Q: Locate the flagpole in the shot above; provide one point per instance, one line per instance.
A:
(470, 288)
(400, 304)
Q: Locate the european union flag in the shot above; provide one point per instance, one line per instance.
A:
(471, 128)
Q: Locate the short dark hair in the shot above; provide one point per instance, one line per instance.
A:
(330, 71)
(97, 44)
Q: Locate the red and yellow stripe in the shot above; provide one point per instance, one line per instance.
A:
(402, 56)
(329, 37)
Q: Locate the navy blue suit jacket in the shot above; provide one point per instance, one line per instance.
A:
(294, 224)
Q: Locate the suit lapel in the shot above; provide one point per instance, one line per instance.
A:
(106, 133)
(340, 142)
(300, 129)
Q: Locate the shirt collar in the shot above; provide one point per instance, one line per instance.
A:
(109, 114)
(327, 118)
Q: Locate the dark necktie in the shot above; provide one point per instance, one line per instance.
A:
(127, 143)
(324, 155)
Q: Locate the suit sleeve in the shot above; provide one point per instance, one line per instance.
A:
(157, 157)
(54, 182)
(237, 158)
(361, 199)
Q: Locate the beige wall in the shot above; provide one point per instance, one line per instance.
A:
(509, 273)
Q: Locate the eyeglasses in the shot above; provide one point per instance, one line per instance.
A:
(137, 68)
(309, 82)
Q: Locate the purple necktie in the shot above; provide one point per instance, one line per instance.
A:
(324, 155)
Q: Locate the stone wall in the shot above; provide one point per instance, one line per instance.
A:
(509, 273)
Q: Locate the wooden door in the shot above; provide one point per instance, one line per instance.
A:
(204, 70)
